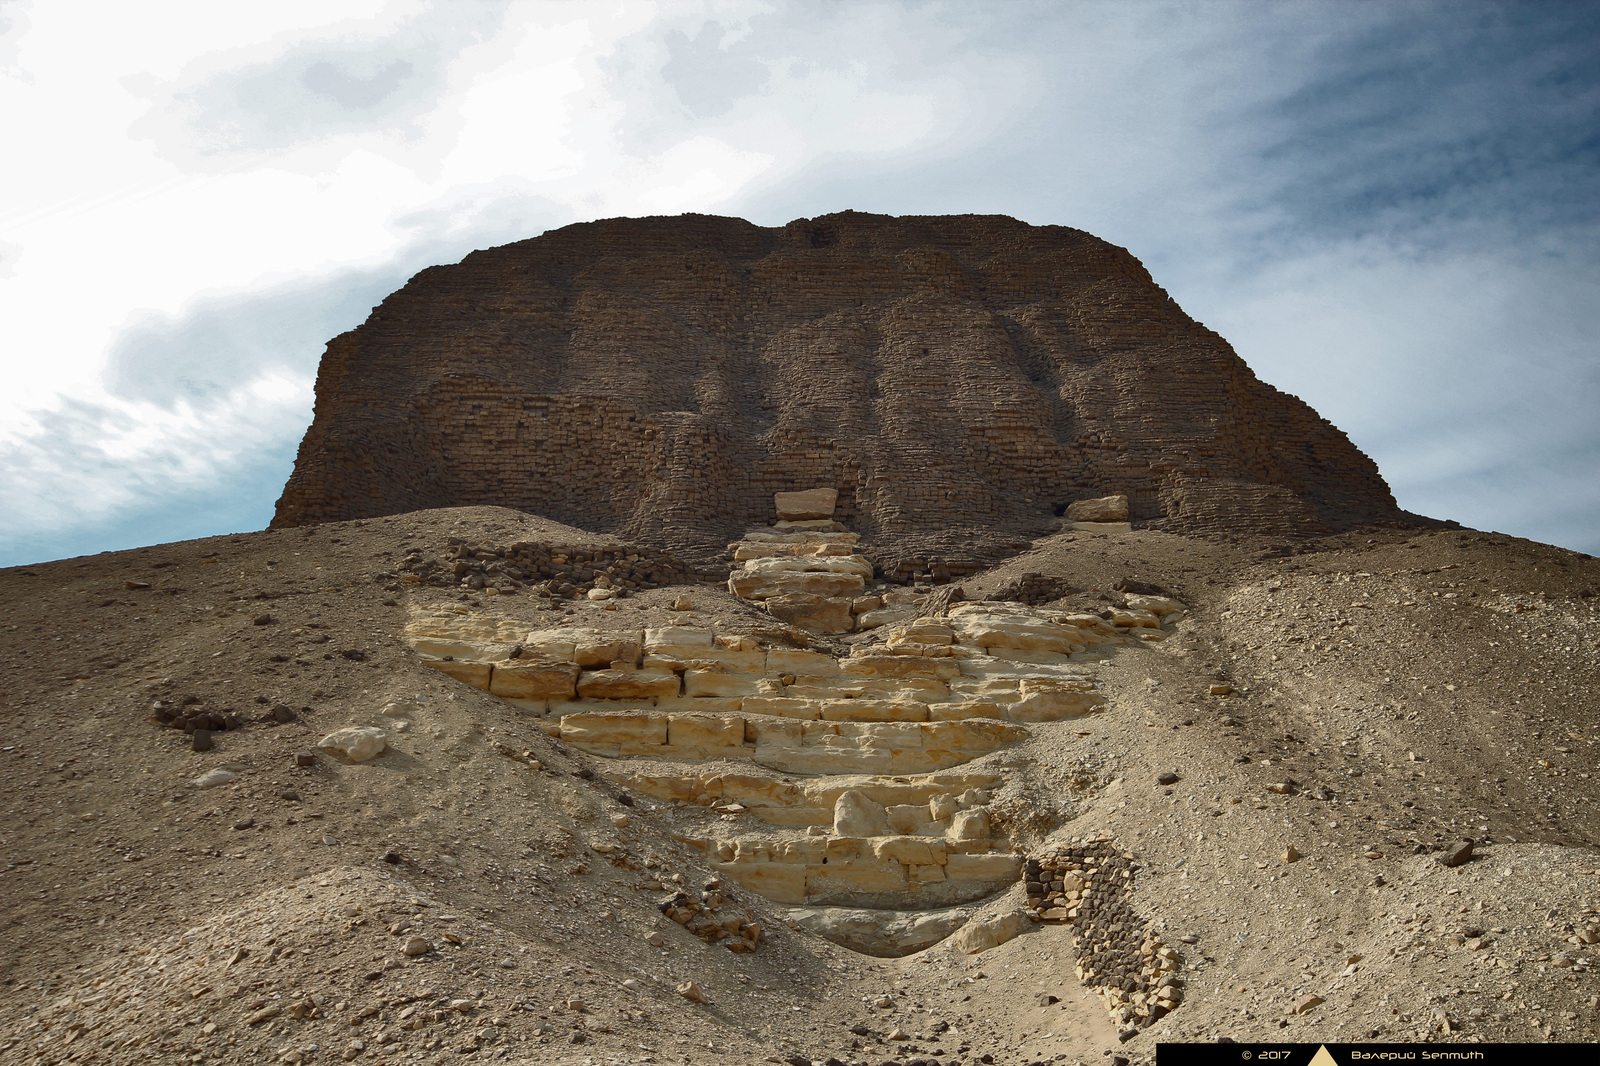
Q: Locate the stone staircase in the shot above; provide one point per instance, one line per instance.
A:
(827, 782)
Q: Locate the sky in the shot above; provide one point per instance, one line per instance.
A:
(1389, 209)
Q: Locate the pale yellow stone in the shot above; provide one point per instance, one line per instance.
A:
(626, 684)
(801, 663)
(909, 818)
(615, 728)
(782, 706)
(718, 682)
(468, 673)
(988, 866)
(814, 613)
(1051, 700)
(805, 504)
(874, 711)
(761, 584)
(711, 731)
(817, 564)
(900, 666)
(533, 679)
(909, 850)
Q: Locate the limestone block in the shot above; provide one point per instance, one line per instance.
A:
(808, 525)
(718, 682)
(558, 645)
(626, 684)
(985, 866)
(900, 666)
(975, 735)
(782, 706)
(603, 652)
(909, 850)
(532, 708)
(942, 807)
(965, 825)
(678, 642)
(1091, 625)
(701, 704)
(806, 504)
(1054, 699)
(851, 881)
(801, 663)
(806, 851)
(894, 735)
(1020, 629)
(561, 708)
(762, 584)
(672, 788)
(816, 759)
(1104, 509)
(1133, 619)
(981, 935)
(885, 616)
(817, 614)
(857, 815)
(922, 631)
(960, 710)
(469, 673)
(757, 791)
(798, 535)
(920, 690)
(909, 818)
(534, 679)
(781, 882)
(357, 743)
(1158, 605)
(429, 642)
(704, 730)
(874, 711)
(812, 564)
(770, 732)
(925, 760)
(926, 875)
(613, 728)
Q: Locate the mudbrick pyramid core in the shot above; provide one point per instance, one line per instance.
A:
(957, 379)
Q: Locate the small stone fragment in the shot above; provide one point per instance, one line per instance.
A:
(691, 991)
(305, 757)
(416, 946)
(215, 778)
(654, 939)
(1167, 779)
(1307, 1003)
(200, 740)
(619, 820)
(1290, 854)
(356, 743)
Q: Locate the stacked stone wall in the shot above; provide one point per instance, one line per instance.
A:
(661, 378)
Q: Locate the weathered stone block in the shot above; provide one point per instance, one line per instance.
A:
(718, 682)
(874, 711)
(626, 684)
(534, 679)
(806, 504)
(1104, 509)
(987, 866)
(468, 673)
(708, 731)
(614, 728)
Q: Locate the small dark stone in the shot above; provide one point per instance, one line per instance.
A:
(355, 655)
(1045, 999)
(1127, 1035)
(200, 740)
(625, 799)
(577, 1037)
(289, 794)
(263, 620)
(305, 757)
(796, 1059)
(1458, 856)
(245, 823)
(392, 858)
(231, 721)
(585, 773)
(1167, 779)
(282, 714)
(391, 603)
(860, 1030)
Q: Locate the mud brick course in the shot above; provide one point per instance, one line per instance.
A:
(659, 379)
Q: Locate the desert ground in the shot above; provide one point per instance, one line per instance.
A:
(1282, 774)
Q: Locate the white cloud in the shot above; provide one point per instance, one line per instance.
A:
(1380, 221)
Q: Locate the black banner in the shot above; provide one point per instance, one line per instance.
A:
(1370, 1054)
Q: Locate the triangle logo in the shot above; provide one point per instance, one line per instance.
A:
(1323, 1058)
